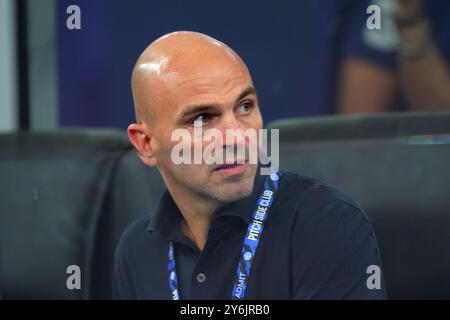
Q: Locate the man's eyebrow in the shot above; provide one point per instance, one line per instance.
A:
(197, 109)
(246, 92)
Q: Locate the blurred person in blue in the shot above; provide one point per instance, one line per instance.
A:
(417, 33)
(424, 54)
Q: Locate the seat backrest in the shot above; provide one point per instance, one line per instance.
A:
(133, 193)
(53, 186)
(361, 126)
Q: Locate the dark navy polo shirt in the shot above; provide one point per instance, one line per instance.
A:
(317, 244)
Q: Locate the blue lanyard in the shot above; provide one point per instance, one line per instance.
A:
(251, 241)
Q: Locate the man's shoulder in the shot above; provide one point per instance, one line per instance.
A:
(329, 230)
(325, 214)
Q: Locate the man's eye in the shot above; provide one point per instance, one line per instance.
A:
(201, 119)
(245, 107)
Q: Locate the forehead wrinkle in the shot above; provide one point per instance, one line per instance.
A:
(221, 100)
(212, 93)
(201, 82)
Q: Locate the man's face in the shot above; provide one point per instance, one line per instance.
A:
(217, 95)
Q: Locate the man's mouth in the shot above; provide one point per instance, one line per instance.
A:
(233, 168)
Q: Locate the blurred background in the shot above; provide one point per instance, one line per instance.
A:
(361, 98)
(309, 57)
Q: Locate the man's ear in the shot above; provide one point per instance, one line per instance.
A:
(140, 138)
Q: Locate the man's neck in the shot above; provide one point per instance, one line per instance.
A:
(197, 213)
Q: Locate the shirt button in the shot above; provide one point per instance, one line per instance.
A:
(201, 277)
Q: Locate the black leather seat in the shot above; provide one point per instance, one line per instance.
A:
(66, 197)
(134, 192)
(397, 167)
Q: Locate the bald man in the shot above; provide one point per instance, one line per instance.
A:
(225, 231)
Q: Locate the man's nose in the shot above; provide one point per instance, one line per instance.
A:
(232, 133)
(229, 121)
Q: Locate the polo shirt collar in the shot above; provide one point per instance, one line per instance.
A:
(167, 217)
(244, 208)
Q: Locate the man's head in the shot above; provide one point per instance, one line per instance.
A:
(184, 77)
